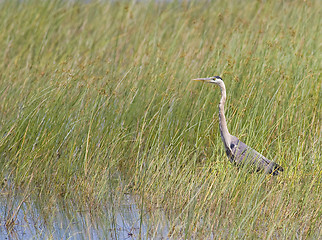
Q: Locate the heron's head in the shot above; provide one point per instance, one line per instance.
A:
(215, 79)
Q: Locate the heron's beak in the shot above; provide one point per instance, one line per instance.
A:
(208, 80)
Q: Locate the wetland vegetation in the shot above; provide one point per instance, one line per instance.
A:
(104, 135)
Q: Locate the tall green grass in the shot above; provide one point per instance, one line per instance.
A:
(96, 101)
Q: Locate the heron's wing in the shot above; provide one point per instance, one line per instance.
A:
(243, 154)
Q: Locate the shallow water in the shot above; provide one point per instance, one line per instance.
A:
(31, 220)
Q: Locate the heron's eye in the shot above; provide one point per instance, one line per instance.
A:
(232, 146)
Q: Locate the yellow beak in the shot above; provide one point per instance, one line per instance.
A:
(209, 80)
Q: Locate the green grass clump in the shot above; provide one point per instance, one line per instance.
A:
(96, 101)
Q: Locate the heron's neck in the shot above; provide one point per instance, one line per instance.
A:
(225, 136)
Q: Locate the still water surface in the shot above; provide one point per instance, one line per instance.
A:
(31, 220)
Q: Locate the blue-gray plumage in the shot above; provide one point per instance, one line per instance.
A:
(237, 151)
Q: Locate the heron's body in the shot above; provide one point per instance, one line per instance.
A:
(237, 151)
(241, 153)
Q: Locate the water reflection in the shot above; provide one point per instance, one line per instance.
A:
(27, 219)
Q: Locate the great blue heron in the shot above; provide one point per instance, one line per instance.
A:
(237, 151)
